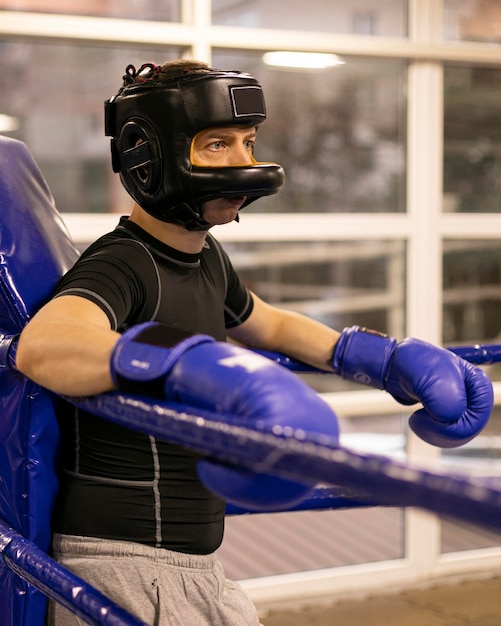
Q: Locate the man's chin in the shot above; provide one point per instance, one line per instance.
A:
(220, 217)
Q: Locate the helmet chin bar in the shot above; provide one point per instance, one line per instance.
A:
(209, 183)
(152, 125)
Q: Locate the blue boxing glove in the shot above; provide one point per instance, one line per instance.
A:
(223, 378)
(457, 397)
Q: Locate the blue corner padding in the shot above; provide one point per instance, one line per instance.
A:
(35, 249)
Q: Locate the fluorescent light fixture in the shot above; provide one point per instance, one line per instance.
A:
(302, 60)
(8, 123)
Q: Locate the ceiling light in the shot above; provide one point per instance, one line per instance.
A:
(302, 60)
(8, 123)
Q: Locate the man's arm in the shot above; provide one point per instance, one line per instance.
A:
(297, 336)
(66, 347)
(457, 397)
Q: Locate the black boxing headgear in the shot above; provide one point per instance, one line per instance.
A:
(153, 120)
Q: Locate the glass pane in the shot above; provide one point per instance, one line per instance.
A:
(281, 543)
(479, 458)
(339, 133)
(165, 10)
(472, 20)
(372, 17)
(51, 97)
(471, 292)
(472, 139)
(472, 297)
(339, 284)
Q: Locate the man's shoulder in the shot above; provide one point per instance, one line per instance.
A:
(116, 242)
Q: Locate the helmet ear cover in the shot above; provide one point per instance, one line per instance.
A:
(139, 155)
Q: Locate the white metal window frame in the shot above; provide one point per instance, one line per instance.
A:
(423, 227)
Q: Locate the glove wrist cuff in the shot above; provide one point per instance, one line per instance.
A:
(145, 354)
(362, 355)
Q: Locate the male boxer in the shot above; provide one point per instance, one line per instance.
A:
(148, 308)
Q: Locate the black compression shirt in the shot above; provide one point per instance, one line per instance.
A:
(116, 483)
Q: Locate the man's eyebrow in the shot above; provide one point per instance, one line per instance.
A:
(226, 132)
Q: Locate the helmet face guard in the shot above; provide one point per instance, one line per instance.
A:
(153, 124)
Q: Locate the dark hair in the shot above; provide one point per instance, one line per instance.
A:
(170, 69)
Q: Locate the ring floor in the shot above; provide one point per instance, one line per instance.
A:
(474, 602)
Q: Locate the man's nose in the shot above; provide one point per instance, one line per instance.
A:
(240, 155)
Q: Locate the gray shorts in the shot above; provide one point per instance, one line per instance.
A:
(161, 587)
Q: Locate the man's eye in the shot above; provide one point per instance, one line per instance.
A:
(216, 145)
